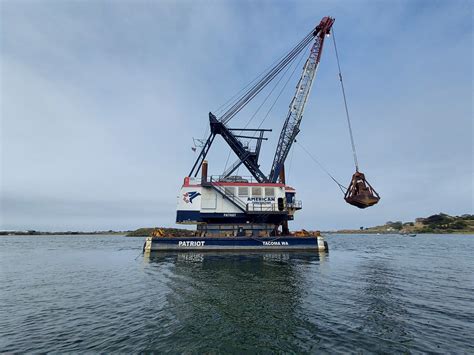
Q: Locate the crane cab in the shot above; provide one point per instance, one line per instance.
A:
(231, 206)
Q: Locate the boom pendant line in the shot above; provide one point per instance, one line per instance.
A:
(220, 124)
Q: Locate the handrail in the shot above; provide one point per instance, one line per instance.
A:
(243, 179)
(223, 178)
(296, 204)
(232, 197)
(249, 207)
(262, 207)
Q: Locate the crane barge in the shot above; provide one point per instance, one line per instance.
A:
(232, 212)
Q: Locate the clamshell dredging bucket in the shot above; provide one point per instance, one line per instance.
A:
(360, 193)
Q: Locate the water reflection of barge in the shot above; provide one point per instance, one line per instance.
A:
(244, 255)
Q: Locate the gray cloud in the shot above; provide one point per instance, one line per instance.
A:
(100, 101)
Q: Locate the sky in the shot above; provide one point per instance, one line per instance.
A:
(100, 101)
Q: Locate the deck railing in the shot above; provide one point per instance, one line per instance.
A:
(296, 204)
(262, 207)
(221, 178)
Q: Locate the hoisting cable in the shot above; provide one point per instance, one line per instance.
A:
(359, 193)
(342, 187)
(345, 104)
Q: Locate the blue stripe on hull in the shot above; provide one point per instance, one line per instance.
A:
(234, 243)
(197, 216)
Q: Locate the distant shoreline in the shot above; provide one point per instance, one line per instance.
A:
(126, 234)
(354, 232)
(364, 232)
(36, 233)
(436, 224)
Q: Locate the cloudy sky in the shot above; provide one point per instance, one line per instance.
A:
(100, 101)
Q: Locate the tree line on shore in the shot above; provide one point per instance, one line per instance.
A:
(438, 223)
(441, 223)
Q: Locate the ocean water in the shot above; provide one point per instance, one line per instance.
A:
(369, 294)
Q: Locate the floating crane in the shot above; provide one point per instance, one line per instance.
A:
(230, 205)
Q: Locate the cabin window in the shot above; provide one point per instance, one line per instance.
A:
(243, 191)
(290, 197)
(229, 190)
(256, 191)
(269, 192)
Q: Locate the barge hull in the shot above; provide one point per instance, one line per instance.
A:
(234, 243)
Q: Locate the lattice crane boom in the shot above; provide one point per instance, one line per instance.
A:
(295, 114)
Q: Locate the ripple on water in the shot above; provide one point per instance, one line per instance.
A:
(369, 294)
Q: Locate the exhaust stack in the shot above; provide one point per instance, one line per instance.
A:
(204, 172)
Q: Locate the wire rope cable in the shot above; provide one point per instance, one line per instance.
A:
(288, 172)
(258, 109)
(288, 67)
(281, 92)
(250, 94)
(231, 100)
(342, 187)
(268, 96)
(227, 160)
(345, 103)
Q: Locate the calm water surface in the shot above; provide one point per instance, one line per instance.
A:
(368, 294)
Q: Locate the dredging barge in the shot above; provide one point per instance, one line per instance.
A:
(232, 212)
(236, 213)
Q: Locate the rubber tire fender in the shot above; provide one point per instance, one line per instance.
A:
(326, 246)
